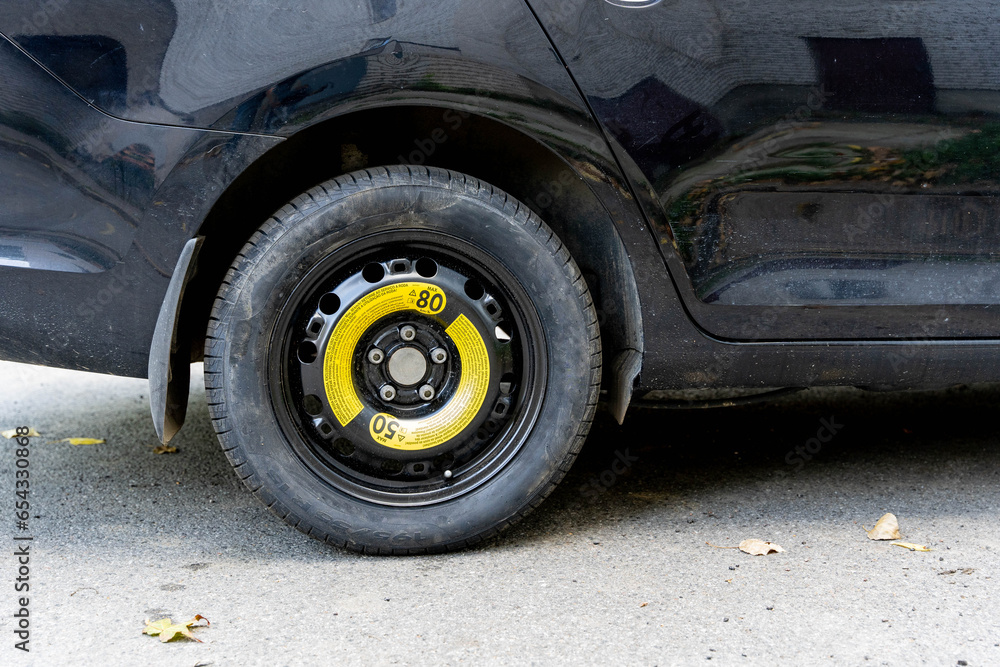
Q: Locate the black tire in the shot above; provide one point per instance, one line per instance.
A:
(312, 301)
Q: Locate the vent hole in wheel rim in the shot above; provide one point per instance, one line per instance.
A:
(307, 352)
(312, 405)
(427, 267)
(474, 290)
(392, 467)
(398, 267)
(373, 273)
(343, 446)
(329, 304)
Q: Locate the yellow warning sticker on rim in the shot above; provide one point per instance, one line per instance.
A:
(449, 421)
(337, 377)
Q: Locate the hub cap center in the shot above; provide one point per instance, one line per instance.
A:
(407, 366)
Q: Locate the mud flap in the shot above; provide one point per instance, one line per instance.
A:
(169, 370)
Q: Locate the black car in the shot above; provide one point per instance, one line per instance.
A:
(416, 243)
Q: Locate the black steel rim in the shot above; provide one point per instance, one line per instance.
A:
(479, 287)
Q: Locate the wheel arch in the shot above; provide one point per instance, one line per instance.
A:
(565, 188)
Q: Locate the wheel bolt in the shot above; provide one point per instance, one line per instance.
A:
(387, 392)
(439, 355)
(426, 392)
(407, 333)
(376, 355)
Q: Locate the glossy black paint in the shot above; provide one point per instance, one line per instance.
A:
(820, 172)
(194, 63)
(82, 263)
(743, 212)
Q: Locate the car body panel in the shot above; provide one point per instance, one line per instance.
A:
(829, 172)
(82, 264)
(192, 62)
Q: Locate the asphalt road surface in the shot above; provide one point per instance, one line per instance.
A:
(614, 568)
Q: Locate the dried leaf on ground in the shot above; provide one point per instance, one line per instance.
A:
(759, 547)
(83, 441)
(164, 449)
(167, 630)
(153, 628)
(911, 547)
(887, 528)
(12, 433)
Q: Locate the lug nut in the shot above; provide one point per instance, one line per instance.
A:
(426, 392)
(376, 356)
(439, 355)
(407, 333)
(387, 392)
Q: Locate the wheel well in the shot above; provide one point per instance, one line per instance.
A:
(480, 147)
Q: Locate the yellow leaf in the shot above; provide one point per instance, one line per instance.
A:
(83, 441)
(164, 449)
(887, 528)
(154, 628)
(911, 547)
(168, 630)
(759, 547)
(174, 631)
(12, 433)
